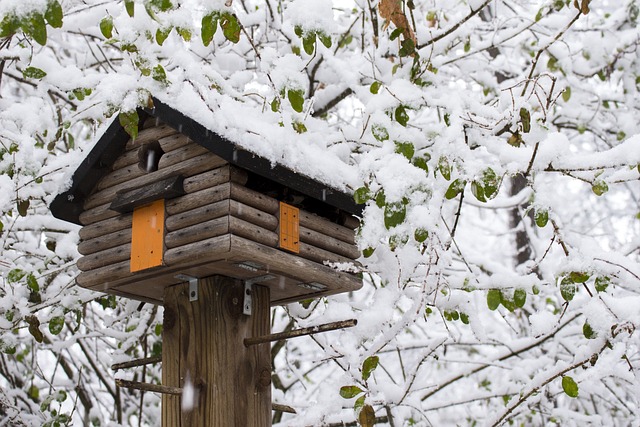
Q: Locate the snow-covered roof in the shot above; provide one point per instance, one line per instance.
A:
(69, 204)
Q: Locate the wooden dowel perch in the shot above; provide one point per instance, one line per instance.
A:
(283, 408)
(137, 362)
(156, 388)
(300, 332)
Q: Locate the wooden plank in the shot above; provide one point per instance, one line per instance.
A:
(101, 228)
(151, 134)
(324, 226)
(239, 227)
(181, 154)
(208, 249)
(198, 215)
(147, 235)
(200, 231)
(203, 341)
(104, 258)
(329, 243)
(188, 168)
(168, 188)
(198, 199)
(101, 243)
(253, 215)
(254, 199)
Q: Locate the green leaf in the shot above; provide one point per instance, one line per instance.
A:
(395, 34)
(367, 416)
(401, 116)
(394, 214)
(298, 30)
(406, 149)
(23, 206)
(357, 406)
(299, 127)
(129, 5)
(56, 324)
(579, 276)
(309, 43)
(325, 39)
(350, 391)
(478, 191)
(566, 95)
(381, 200)
(445, 168)
(230, 27)
(53, 15)
(32, 283)
(541, 217)
(602, 283)
(599, 187)
(209, 27)
(361, 195)
(36, 28)
(33, 73)
(15, 275)
(588, 331)
(407, 47)
(129, 121)
(379, 132)
(567, 289)
(34, 392)
(162, 34)
(9, 25)
(490, 183)
(494, 298)
(296, 98)
(106, 27)
(525, 118)
(368, 366)
(569, 386)
(519, 297)
(420, 235)
(456, 187)
(375, 87)
(159, 74)
(275, 105)
(421, 162)
(367, 252)
(185, 33)
(464, 318)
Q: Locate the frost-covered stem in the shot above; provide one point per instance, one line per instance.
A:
(455, 224)
(524, 397)
(500, 359)
(96, 369)
(556, 231)
(335, 101)
(455, 26)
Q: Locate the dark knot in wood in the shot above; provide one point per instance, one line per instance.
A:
(169, 319)
(264, 379)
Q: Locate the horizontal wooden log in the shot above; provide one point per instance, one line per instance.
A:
(324, 226)
(329, 243)
(254, 216)
(99, 213)
(351, 222)
(201, 231)
(107, 226)
(198, 199)
(181, 154)
(167, 144)
(214, 177)
(193, 166)
(168, 188)
(198, 215)
(104, 258)
(254, 199)
(320, 255)
(203, 250)
(173, 142)
(104, 242)
(148, 135)
(239, 227)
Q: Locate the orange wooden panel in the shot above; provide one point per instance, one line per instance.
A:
(147, 236)
(289, 228)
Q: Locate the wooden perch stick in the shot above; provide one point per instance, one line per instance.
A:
(156, 388)
(300, 332)
(137, 362)
(283, 408)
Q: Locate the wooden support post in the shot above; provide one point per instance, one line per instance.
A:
(204, 354)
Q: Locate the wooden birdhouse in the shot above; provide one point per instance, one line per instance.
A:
(181, 202)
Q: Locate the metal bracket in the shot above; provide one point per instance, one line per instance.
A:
(248, 284)
(193, 285)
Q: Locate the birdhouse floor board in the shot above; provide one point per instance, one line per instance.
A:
(221, 255)
(151, 134)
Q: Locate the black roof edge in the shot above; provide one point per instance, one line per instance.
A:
(69, 204)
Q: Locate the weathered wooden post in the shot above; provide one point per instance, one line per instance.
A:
(184, 218)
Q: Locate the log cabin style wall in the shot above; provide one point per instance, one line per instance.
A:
(218, 219)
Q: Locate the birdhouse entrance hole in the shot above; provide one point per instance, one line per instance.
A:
(149, 156)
